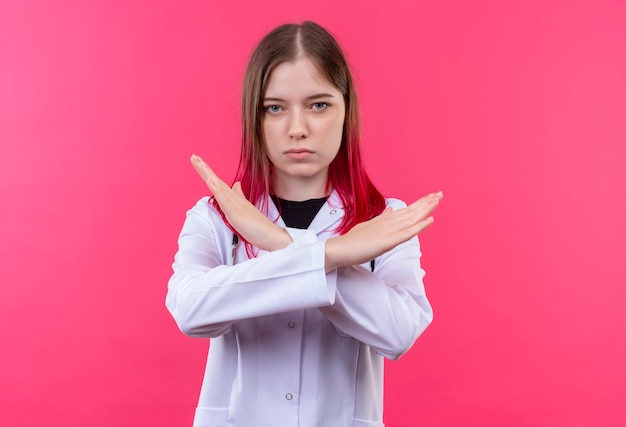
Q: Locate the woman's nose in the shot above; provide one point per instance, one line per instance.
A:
(297, 126)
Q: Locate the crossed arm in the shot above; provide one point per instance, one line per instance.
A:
(362, 243)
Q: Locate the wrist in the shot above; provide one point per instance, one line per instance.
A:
(282, 240)
(331, 254)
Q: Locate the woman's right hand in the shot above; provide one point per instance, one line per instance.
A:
(372, 238)
(242, 215)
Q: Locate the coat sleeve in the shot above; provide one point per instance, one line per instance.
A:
(387, 309)
(205, 296)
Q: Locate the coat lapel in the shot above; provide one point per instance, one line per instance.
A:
(327, 219)
(330, 215)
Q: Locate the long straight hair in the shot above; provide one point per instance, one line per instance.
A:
(360, 198)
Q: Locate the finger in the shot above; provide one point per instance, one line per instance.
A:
(425, 212)
(205, 172)
(418, 211)
(432, 197)
(426, 204)
(417, 227)
(201, 167)
(423, 225)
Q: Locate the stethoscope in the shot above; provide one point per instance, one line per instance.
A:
(236, 242)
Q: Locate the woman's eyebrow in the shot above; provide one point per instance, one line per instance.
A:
(308, 98)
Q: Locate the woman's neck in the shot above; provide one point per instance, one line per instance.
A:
(298, 190)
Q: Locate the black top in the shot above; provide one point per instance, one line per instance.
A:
(298, 214)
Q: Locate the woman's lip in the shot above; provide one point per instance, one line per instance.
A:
(298, 150)
(298, 153)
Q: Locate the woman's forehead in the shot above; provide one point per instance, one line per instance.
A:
(298, 78)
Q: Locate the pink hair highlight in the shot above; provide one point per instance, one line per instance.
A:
(346, 175)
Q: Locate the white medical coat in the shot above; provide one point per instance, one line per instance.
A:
(292, 345)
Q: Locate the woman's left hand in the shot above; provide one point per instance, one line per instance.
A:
(242, 215)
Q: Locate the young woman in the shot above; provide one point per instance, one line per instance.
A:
(301, 273)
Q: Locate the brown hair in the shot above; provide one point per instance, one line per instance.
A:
(346, 174)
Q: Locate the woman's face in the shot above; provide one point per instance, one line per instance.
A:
(303, 117)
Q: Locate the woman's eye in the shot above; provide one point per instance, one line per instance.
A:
(320, 106)
(273, 108)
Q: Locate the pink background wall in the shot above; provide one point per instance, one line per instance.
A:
(517, 110)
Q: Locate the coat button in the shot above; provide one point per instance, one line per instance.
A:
(333, 212)
(289, 396)
(291, 325)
